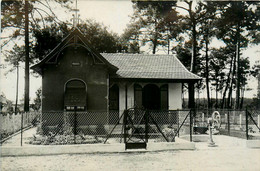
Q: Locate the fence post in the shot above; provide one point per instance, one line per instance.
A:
(246, 124)
(124, 123)
(258, 121)
(146, 126)
(21, 128)
(192, 111)
(178, 121)
(13, 123)
(228, 122)
(240, 120)
(75, 123)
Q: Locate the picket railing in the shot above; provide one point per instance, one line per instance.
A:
(11, 123)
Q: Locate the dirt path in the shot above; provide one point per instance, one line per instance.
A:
(16, 140)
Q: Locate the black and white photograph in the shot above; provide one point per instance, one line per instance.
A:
(130, 85)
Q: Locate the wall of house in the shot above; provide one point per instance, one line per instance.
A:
(122, 99)
(74, 64)
(175, 100)
(174, 95)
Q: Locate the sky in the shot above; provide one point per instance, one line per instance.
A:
(113, 14)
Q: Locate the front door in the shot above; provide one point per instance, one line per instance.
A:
(151, 97)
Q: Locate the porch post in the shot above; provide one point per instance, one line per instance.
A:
(191, 95)
(125, 96)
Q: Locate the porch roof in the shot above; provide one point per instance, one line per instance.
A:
(147, 66)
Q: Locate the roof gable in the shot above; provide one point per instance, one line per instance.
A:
(76, 39)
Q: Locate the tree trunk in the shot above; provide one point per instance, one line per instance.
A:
(242, 98)
(229, 102)
(227, 85)
(216, 105)
(207, 70)
(193, 56)
(168, 39)
(192, 69)
(27, 73)
(155, 42)
(154, 46)
(237, 68)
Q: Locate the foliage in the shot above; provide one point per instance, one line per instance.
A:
(15, 17)
(97, 34)
(217, 70)
(48, 38)
(231, 22)
(255, 70)
(148, 25)
(38, 100)
(237, 19)
(183, 54)
(61, 135)
(40, 13)
(15, 56)
(130, 38)
(99, 37)
(169, 133)
(235, 25)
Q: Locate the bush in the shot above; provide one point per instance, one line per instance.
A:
(63, 134)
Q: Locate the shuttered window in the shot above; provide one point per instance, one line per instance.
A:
(75, 95)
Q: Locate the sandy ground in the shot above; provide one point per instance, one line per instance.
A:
(201, 159)
(16, 140)
(230, 154)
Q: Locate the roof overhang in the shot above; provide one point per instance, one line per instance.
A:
(157, 80)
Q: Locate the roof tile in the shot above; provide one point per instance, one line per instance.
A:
(149, 66)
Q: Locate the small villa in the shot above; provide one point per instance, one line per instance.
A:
(77, 78)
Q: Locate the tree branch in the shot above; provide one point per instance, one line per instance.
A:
(49, 8)
(34, 20)
(6, 42)
(36, 9)
(182, 8)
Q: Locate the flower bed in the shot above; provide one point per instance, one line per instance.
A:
(62, 135)
(64, 139)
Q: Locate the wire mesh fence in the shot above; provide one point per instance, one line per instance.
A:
(11, 123)
(253, 124)
(95, 126)
(237, 123)
(86, 127)
(171, 124)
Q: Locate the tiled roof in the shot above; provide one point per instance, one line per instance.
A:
(149, 66)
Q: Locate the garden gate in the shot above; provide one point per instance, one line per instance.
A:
(136, 127)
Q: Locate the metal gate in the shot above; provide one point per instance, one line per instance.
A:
(136, 128)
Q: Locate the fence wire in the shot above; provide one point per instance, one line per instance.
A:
(237, 123)
(11, 123)
(86, 127)
(95, 126)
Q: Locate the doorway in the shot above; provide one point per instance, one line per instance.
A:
(151, 97)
